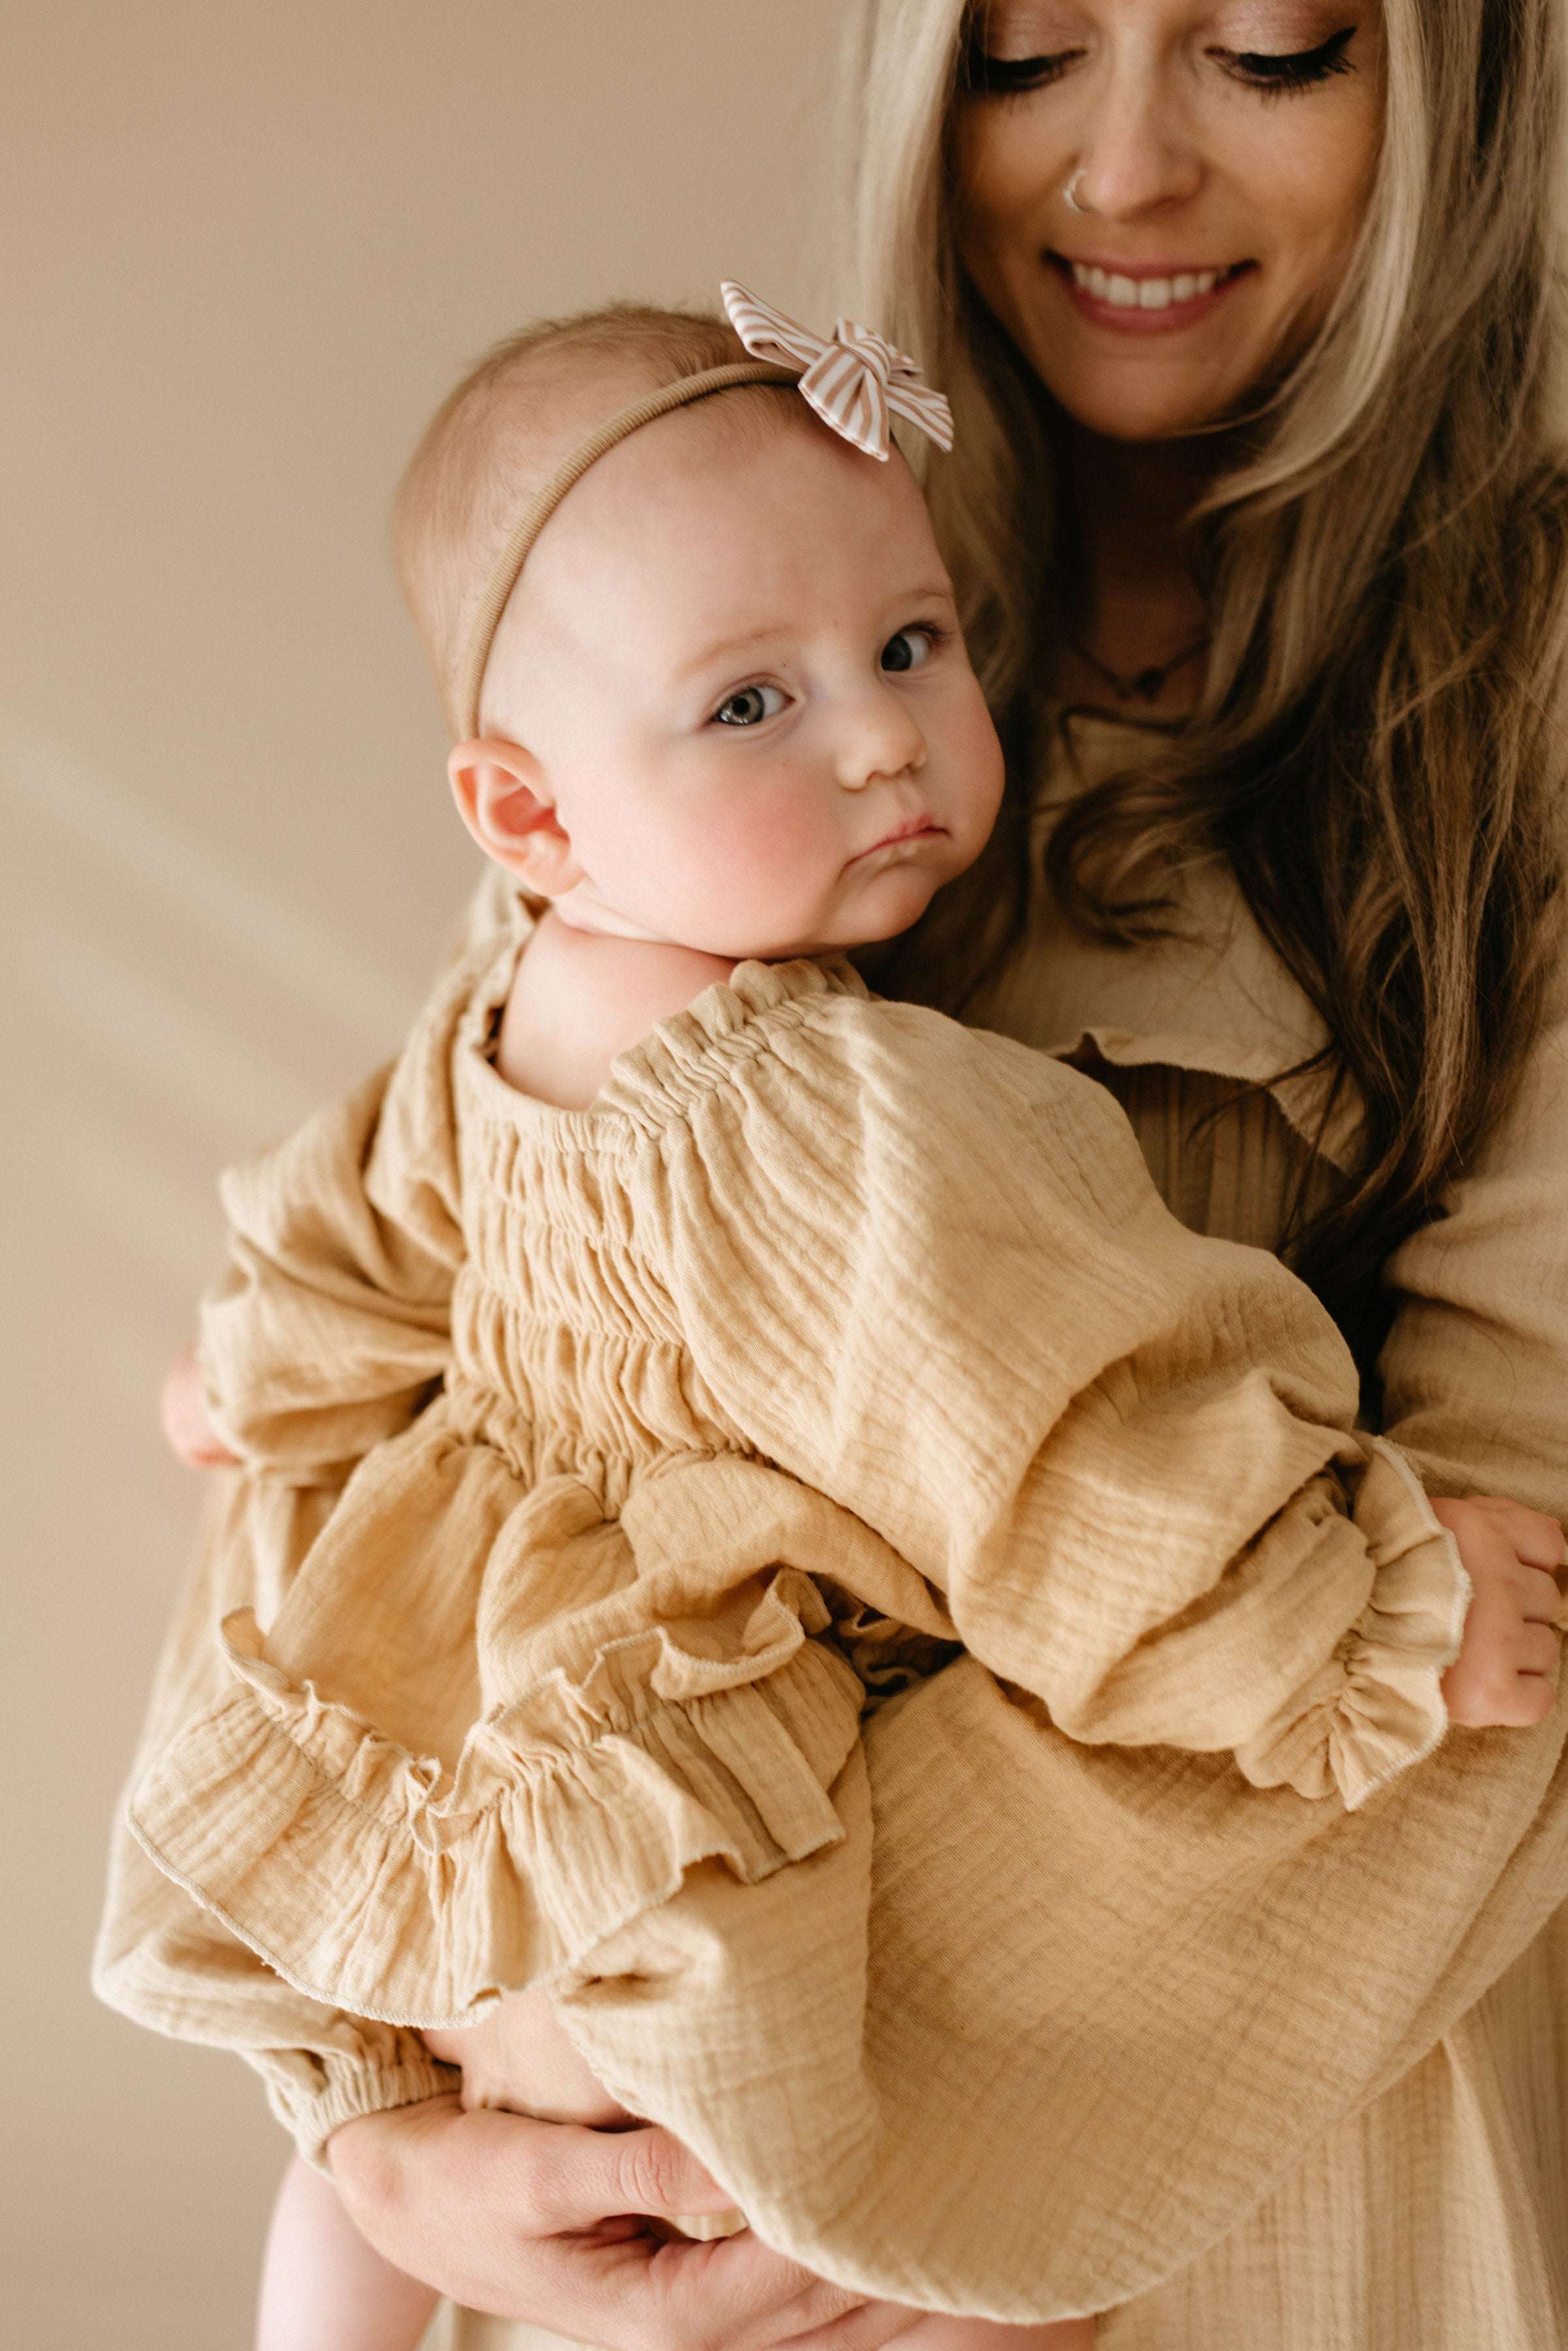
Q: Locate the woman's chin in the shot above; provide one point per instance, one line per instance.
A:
(1139, 413)
(1145, 394)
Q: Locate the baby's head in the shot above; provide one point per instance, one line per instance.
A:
(727, 704)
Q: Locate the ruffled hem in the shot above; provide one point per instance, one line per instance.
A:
(341, 1860)
(1377, 1708)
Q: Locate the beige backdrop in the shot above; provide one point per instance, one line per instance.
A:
(245, 246)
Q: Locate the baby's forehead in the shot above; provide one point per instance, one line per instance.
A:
(567, 412)
(751, 476)
(708, 539)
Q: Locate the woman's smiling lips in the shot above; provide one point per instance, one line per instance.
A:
(1146, 297)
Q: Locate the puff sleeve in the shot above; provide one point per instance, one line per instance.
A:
(926, 1273)
(331, 1322)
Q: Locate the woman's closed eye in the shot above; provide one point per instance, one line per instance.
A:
(751, 705)
(1271, 76)
(1280, 77)
(988, 77)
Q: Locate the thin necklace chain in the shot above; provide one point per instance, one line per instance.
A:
(1144, 684)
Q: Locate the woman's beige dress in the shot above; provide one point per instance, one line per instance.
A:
(1234, 2034)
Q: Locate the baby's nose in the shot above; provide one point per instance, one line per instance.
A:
(882, 740)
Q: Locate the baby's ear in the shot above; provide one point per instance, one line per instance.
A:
(503, 799)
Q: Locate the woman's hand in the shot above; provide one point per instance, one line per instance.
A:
(190, 1432)
(1506, 1672)
(539, 2221)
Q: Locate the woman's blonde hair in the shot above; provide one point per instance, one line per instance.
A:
(1377, 748)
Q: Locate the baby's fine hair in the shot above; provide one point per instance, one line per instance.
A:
(499, 437)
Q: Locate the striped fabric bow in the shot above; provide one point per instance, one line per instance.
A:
(853, 382)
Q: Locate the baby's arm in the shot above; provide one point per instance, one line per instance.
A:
(1124, 1454)
(1502, 1678)
(323, 2288)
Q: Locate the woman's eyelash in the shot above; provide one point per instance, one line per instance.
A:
(1276, 76)
(987, 77)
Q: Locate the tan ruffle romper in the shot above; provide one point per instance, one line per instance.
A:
(767, 1358)
(842, 1321)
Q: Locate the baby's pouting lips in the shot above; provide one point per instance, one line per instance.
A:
(913, 829)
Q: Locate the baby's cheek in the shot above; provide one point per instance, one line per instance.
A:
(772, 851)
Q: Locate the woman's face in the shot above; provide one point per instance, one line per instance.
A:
(1222, 152)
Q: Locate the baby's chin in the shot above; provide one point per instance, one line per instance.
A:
(884, 905)
(891, 904)
(844, 936)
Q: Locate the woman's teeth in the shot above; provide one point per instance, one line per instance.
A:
(1143, 293)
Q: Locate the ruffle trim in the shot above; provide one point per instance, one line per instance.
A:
(348, 1867)
(1377, 1708)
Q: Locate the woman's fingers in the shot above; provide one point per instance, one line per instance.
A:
(646, 2170)
(530, 2220)
(739, 2296)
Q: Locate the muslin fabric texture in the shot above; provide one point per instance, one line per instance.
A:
(1215, 1977)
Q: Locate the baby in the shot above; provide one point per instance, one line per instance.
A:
(808, 1352)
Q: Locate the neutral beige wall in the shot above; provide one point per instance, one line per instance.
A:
(245, 243)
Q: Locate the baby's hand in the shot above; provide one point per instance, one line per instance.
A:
(1506, 1672)
(189, 1433)
(518, 2057)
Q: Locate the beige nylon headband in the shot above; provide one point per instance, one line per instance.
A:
(514, 555)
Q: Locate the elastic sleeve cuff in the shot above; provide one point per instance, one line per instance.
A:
(1377, 1707)
(348, 2091)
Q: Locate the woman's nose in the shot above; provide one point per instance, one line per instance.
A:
(1137, 151)
(879, 739)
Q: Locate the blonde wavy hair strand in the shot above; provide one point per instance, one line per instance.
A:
(1377, 750)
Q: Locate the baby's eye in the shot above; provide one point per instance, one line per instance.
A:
(909, 649)
(751, 706)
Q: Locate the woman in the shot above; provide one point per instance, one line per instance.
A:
(1244, 310)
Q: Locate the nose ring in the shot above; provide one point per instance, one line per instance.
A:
(1071, 200)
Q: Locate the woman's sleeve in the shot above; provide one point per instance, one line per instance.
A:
(331, 1325)
(167, 1963)
(1475, 1371)
(1121, 1453)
